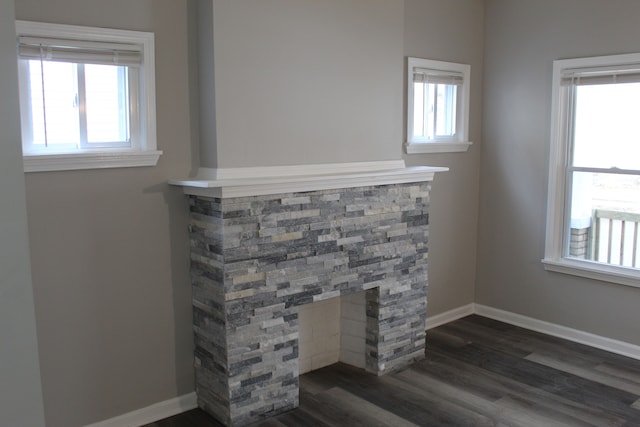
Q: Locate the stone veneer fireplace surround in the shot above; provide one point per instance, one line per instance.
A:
(265, 241)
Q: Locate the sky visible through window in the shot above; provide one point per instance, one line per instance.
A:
(607, 135)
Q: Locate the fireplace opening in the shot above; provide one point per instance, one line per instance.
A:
(331, 331)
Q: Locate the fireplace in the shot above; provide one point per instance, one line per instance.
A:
(263, 246)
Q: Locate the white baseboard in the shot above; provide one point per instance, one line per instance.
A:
(449, 316)
(150, 414)
(575, 335)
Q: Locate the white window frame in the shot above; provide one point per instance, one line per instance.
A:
(460, 142)
(558, 203)
(143, 150)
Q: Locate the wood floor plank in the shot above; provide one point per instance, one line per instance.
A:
(498, 414)
(530, 413)
(364, 410)
(520, 342)
(529, 340)
(419, 409)
(619, 372)
(331, 413)
(557, 382)
(590, 374)
(489, 385)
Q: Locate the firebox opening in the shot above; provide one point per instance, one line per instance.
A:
(332, 331)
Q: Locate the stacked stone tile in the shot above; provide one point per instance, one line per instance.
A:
(256, 259)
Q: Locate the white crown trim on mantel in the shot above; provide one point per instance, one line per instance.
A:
(215, 174)
(257, 181)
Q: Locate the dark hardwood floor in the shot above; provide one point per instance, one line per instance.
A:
(478, 372)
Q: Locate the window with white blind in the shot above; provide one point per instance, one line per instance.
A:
(593, 210)
(437, 106)
(87, 97)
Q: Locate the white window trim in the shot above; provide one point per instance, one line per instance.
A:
(557, 203)
(437, 147)
(146, 153)
(461, 143)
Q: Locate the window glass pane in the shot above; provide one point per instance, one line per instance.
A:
(106, 103)
(57, 104)
(607, 126)
(434, 110)
(605, 218)
(446, 107)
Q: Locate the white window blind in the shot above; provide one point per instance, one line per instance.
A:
(80, 51)
(423, 75)
(600, 75)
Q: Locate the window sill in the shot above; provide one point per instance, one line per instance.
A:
(89, 160)
(436, 147)
(591, 270)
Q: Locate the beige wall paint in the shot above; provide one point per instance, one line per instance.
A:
(20, 388)
(110, 249)
(451, 30)
(305, 82)
(522, 39)
(202, 10)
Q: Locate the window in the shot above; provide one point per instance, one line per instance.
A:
(593, 217)
(437, 106)
(87, 97)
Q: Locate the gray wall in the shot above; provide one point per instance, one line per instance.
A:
(20, 389)
(110, 250)
(301, 82)
(522, 39)
(451, 30)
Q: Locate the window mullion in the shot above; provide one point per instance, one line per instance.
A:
(82, 105)
(435, 111)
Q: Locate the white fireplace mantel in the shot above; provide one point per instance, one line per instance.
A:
(258, 181)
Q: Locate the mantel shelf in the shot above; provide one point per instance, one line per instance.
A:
(276, 180)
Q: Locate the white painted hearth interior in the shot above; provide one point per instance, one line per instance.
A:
(332, 331)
